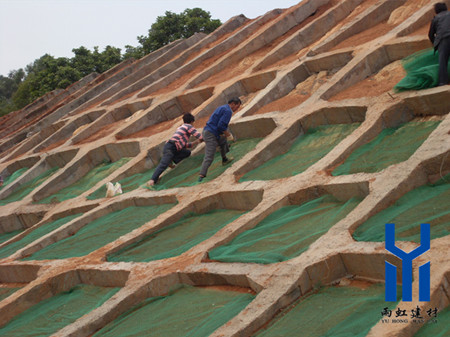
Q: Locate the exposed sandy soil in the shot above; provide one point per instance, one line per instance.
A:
(103, 132)
(54, 145)
(374, 85)
(365, 36)
(301, 93)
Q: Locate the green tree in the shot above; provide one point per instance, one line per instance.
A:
(174, 26)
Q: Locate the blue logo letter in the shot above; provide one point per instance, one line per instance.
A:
(391, 270)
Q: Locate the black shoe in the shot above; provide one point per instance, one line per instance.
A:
(200, 178)
(226, 161)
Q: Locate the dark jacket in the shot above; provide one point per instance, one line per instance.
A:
(439, 28)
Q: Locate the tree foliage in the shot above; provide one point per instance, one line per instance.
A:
(174, 26)
(48, 73)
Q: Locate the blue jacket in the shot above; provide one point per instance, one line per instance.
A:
(218, 122)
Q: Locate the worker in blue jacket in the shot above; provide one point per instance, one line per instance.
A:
(215, 133)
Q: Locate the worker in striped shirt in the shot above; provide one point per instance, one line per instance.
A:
(176, 148)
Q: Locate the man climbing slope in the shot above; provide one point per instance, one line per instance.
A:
(216, 133)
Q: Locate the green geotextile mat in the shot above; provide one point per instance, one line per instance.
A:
(12, 177)
(332, 312)
(128, 184)
(186, 172)
(187, 311)
(304, 152)
(422, 71)
(285, 233)
(54, 313)
(100, 232)
(97, 174)
(425, 204)
(178, 237)
(26, 188)
(439, 328)
(5, 292)
(35, 235)
(391, 146)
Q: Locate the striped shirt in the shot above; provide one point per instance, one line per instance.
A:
(182, 135)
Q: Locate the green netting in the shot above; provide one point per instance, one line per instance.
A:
(5, 292)
(100, 172)
(100, 232)
(34, 235)
(178, 237)
(422, 71)
(425, 204)
(12, 177)
(285, 233)
(438, 326)
(187, 311)
(53, 314)
(26, 188)
(186, 173)
(306, 150)
(391, 146)
(332, 312)
(128, 184)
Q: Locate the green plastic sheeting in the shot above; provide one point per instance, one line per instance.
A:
(100, 232)
(187, 311)
(128, 184)
(304, 152)
(178, 237)
(391, 146)
(422, 71)
(425, 204)
(332, 312)
(285, 233)
(34, 235)
(97, 174)
(438, 326)
(26, 188)
(186, 172)
(5, 292)
(12, 177)
(54, 313)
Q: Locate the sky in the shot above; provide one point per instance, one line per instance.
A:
(30, 29)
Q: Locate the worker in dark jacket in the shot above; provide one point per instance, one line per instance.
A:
(216, 132)
(439, 35)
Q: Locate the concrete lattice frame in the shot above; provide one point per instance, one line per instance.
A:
(103, 117)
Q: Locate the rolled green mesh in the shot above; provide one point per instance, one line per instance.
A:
(422, 71)
(186, 172)
(178, 237)
(186, 311)
(97, 174)
(331, 311)
(29, 186)
(304, 152)
(286, 233)
(425, 204)
(5, 292)
(128, 184)
(54, 313)
(440, 328)
(34, 235)
(100, 232)
(391, 146)
(12, 177)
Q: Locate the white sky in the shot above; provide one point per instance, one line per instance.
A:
(31, 28)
